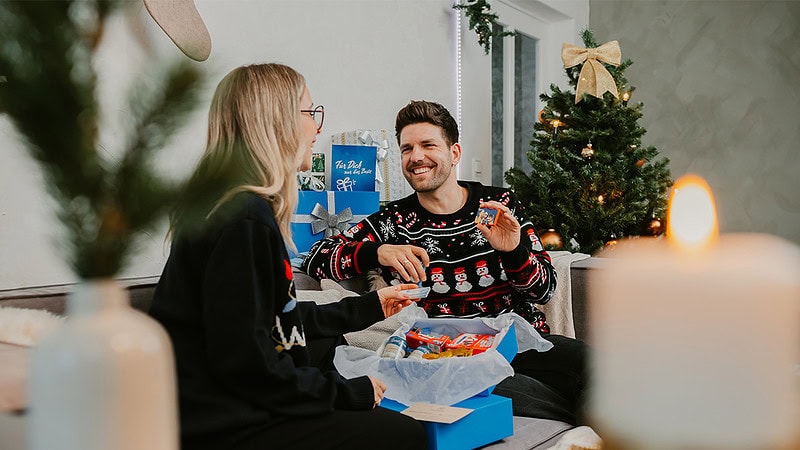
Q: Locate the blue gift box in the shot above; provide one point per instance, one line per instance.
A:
(508, 348)
(491, 419)
(353, 167)
(322, 214)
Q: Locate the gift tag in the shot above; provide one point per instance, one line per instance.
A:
(420, 292)
(428, 412)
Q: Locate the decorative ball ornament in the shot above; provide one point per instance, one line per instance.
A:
(551, 240)
(640, 163)
(587, 151)
(655, 227)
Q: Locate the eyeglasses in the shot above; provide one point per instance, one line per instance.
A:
(318, 114)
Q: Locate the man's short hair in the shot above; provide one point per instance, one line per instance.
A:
(427, 112)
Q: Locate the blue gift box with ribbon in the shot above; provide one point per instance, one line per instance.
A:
(323, 214)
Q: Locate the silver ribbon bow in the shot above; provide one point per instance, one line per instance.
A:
(366, 138)
(330, 222)
(314, 183)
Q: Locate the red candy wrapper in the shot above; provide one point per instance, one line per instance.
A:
(423, 336)
(478, 343)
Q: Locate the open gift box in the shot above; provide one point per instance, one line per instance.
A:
(504, 341)
(461, 381)
(444, 381)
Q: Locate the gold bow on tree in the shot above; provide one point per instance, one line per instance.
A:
(594, 78)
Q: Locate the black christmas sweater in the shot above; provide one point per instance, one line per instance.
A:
(467, 277)
(227, 300)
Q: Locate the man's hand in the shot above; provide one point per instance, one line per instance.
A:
(409, 261)
(393, 300)
(503, 236)
(378, 388)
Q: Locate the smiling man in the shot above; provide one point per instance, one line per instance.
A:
(473, 269)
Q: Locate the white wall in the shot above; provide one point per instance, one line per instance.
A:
(721, 91)
(363, 59)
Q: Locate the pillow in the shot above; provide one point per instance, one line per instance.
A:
(376, 280)
(372, 337)
(330, 292)
(328, 284)
(318, 297)
(26, 327)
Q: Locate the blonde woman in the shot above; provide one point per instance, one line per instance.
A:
(227, 298)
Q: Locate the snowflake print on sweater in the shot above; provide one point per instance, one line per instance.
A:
(468, 278)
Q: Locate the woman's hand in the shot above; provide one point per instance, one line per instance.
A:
(393, 300)
(504, 234)
(378, 388)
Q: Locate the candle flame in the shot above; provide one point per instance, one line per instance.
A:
(692, 216)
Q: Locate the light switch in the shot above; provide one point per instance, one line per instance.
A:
(477, 166)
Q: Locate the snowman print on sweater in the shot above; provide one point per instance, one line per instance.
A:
(437, 276)
(462, 285)
(483, 272)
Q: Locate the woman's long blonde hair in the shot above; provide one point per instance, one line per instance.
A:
(254, 144)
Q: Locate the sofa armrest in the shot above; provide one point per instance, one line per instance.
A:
(580, 275)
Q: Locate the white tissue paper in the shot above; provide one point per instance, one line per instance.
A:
(442, 381)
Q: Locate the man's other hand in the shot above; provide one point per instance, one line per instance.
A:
(503, 236)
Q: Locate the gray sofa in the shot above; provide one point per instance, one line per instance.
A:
(528, 433)
(53, 298)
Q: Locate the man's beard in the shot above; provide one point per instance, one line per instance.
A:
(432, 183)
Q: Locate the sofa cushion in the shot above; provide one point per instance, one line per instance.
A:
(22, 326)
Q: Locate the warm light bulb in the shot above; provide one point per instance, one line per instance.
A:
(692, 216)
(626, 96)
(555, 123)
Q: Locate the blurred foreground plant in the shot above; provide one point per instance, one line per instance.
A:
(48, 92)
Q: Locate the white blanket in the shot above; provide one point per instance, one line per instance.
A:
(559, 309)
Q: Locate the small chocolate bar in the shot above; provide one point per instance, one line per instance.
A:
(423, 336)
(486, 216)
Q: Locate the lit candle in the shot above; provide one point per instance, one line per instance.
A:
(696, 338)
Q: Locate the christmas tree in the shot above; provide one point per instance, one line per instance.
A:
(592, 180)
